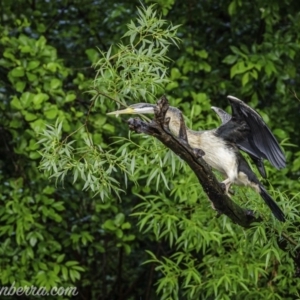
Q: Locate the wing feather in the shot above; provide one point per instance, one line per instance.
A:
(262, 141)
(235, 132)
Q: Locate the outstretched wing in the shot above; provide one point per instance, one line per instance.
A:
(231, 133)
(223, 115)
(248, 130)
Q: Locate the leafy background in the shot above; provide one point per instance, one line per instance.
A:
(159, 239)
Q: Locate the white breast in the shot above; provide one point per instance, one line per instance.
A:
(217, 154)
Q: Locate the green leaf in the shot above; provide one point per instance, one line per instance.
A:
(20, 86)
(119, 233)
(119, 219)
(52, 66)
(60, 258)
(25, 49)
(17, 72)
(109, 128)
(175, 73)
(39, 99)
(15, 123)
(126, 225)
(33, 65)
(74, 275)
(33, 241)
(172, 85)
(56, 269)
(29, 116)
(245, 79)
(8, 54)
(5, 63)
(34, 155)
(38, 125)
(270, 68)
(280, 133)
(48, 190)
(15, 103)
(33, 145)
(129, 237)
(202, 53)
(205, 66)
(70, 97)
(237, 51)
(230, 59)
(31, 77)
(92, 54)
(254, 74)
(51, 113)
(26, 99)
(23, 40)
(240, 67)
(41, 27)
(127, 249)
(55, 83)
(232, 8)
(109, 225)
(64, 271)
(71, 263)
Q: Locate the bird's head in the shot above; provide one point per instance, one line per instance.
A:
(138, 108)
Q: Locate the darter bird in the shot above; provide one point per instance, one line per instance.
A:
(244, 130)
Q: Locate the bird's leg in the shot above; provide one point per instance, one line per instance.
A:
(226, 185)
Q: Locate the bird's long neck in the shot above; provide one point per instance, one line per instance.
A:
(175, 115)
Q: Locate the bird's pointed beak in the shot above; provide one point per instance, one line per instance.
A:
(128, 110)
(133, 110)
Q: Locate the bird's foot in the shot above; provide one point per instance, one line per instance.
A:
(223, 187)
(226, 189)
(198, 152)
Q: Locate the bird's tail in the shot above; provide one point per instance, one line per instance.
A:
(277, 212)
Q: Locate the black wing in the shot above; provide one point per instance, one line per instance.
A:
(223, 115)
(249, 131)
(232, 130)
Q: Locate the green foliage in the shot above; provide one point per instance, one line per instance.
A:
(138, 69)
(89, 162)
(29, 247)
(130, 219)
